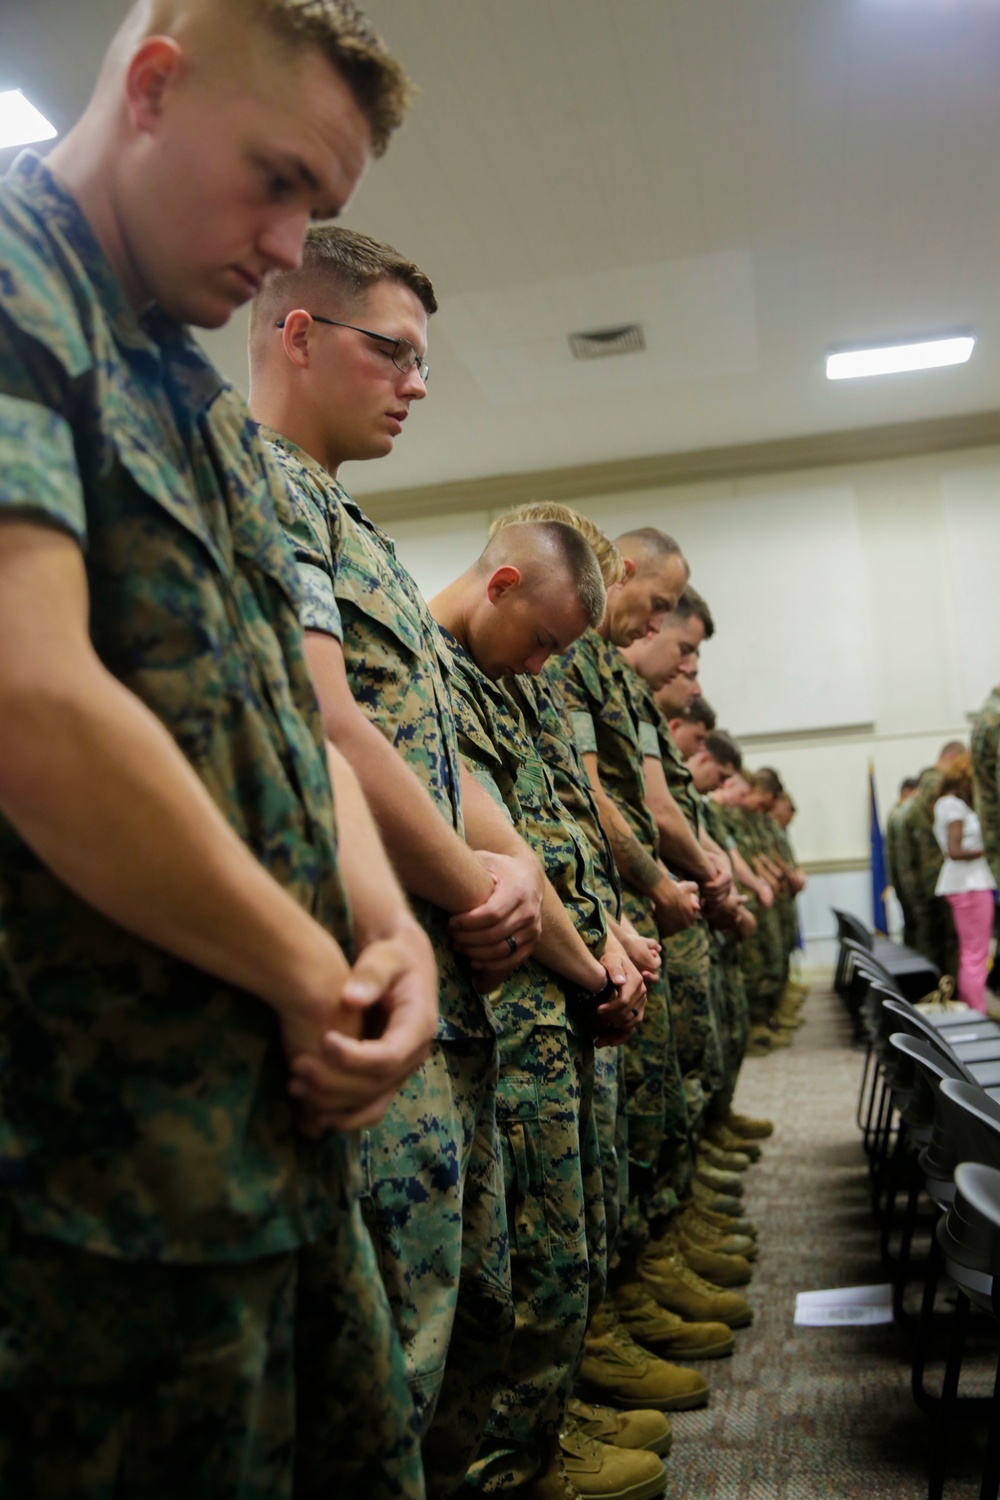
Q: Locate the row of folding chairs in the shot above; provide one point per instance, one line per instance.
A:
(862, 953)
(929, 1114)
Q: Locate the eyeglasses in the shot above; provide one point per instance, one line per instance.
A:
(403, 356)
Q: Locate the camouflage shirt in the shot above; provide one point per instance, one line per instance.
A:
(497, 748)
(398, 666)
(920, 852)
(144, 1110)
(545, 715)
(598, 688)
(657, 741)
(986, 777)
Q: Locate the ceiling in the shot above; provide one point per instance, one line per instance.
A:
(754, 181)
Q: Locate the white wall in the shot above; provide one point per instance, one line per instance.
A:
(923, 580)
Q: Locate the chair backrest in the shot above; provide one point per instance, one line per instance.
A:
(970, 1233)
(973, 1119)
(851, 928)
(915, 1024)
(921, 1069)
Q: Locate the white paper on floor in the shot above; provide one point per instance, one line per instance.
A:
(844, 1306)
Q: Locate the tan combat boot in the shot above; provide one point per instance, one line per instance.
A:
(724, 1158)
(553, 1483)
(749, 1128)
(623, 1429)
(718, 1267)
(727, 1140)
(675, 1286)
(624, 1374)
(735, 1223)
(720, 1203)
(729, 1184)
(690, 1226)
(759, 1042)
(601, 1471)
(665, 1333)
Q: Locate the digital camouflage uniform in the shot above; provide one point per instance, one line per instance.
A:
(985, 747)
(161, 1213)
(922, 861)
(894, 871)
(432, 1179)
(552, 1168)
(547, 723)
(686, 955)
(727, 975)
(761, 954)
(596, 686)
(778, 848)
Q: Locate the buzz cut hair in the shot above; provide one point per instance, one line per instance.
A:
(338, 262)
(908, 784)
(555, 542)
(768, 780)
(691, 606)
(649, 545)
(610, 560)
(350, 43)
(698, 711)
(723, 749)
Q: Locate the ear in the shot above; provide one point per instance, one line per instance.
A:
(296, 335)
(501, 582)
(157, 66)
(674, 724)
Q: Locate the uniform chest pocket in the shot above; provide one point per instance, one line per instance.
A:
(375, 593)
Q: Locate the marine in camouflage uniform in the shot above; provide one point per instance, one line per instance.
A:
(432, 1180)
(547, 723)
(163, 1219)
(552, 1167)
(894, 871)
(727, 974)
(985, 745)
(762, 954)
(596, 686)
(921, 864)
(686, 955)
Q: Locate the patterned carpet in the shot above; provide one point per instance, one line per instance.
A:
(801, 1413)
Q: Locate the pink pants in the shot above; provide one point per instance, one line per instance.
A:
(973, 913)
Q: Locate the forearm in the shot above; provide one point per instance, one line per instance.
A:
(378, 904)
(104, 797)
(562, 949)
(427, 854)
(744, 874)
(679, 847)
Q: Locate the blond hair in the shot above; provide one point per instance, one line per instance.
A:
(608, 557)
(546, 545)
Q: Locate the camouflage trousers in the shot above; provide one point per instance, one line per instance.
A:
(433, 1198)
(611, 1119)
(658, 1127)
(734, 1016)
(935, 934)
(687, 960)
(765, 966)
(552, 1175)
(788, 921)
(128, 1380)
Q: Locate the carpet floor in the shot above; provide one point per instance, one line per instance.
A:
(802, 1413)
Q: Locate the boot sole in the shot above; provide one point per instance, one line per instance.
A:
(685, 1356)
(647, 1489)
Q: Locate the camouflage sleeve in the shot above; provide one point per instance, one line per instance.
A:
(39, 478)
(309, 531)
(649, 740)
(584, 734)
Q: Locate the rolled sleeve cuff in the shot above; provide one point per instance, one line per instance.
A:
(319, 609)
(583, 733)
(649, 740)
(39, 477)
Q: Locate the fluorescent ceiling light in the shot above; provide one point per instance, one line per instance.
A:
(894, 359)
(20, 122)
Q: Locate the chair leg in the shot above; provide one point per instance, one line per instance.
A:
(905, 1247)
(990, 1484)
(925, 1399)
(949, 1399)
(861, 1091)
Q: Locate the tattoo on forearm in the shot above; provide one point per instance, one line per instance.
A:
(634, 864)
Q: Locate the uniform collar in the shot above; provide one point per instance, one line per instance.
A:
(152, 333)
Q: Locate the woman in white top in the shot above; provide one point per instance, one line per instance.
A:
(965, 881)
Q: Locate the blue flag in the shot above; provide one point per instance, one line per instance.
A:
(877, 857)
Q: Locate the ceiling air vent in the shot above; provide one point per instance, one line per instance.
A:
(626, 338)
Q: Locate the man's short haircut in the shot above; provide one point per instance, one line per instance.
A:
(908, 784)
(554, 542)
(698, 711)
(768, 781)
(609, 558)
(691, 606)
(349, 41)
(338, 262)
(724, 749)
(647, 544)
(953, 747)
